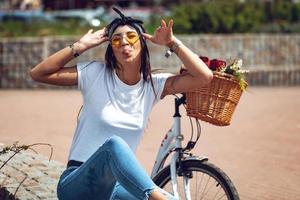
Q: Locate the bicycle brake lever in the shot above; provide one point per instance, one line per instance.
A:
(190, 145)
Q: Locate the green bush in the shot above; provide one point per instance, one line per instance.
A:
(182, 15)
(233, 16)
(41, 28)
(295, 12)
(214, 16)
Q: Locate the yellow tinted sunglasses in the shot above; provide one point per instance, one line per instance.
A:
(131, 38)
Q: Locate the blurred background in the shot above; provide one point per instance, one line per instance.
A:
(265, 33)
(259, 150)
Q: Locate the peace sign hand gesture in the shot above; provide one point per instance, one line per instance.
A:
(163, 35)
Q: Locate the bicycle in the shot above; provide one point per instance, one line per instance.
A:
(214, 183)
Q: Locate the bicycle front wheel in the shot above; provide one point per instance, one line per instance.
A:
(204, 180)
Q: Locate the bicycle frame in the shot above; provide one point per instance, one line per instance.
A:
(181, 162)
(172, 142)
(167, 146)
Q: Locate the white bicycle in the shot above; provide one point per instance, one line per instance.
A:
(188, 176)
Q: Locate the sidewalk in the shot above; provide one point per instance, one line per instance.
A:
(259, 150)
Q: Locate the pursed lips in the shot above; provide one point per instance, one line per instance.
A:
(126, 51)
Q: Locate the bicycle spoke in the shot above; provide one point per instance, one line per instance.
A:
(202, 183)
(217, 191)
(196, 193)
(213, 187)
(205, 188)
(202, 177)
(224, 195)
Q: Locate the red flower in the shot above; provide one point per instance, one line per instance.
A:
(205, 60)
(214, 64)
(217, 65)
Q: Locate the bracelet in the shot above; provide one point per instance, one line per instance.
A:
(74, 52)
(173, 48)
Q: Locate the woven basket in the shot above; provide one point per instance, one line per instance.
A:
(216, 102)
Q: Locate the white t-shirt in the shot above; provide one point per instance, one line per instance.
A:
(111, 107)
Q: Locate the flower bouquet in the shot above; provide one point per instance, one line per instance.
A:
(234, 68)
(216, 102)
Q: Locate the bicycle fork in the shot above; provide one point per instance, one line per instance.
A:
(177, 156)
(174, 173)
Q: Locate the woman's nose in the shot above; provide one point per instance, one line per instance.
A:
(124, 41)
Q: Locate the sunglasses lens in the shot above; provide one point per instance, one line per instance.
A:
(131, 38)
(116, 41)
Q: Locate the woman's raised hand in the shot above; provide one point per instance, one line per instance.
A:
(92, 39)
(163, 35)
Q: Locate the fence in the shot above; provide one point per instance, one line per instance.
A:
(271, 59)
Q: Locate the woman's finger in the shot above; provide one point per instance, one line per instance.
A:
(100, 33)
(170, 25)
(147, 36)
(104, 39)
(90, 31)
(163, 23)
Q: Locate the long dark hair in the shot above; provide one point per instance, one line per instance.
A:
(110, 58)
(145, 67)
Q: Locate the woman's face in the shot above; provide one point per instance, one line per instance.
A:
(126, 45)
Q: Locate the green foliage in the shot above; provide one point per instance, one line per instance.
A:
(40, 28)
(281, 10)
(181, 15)
(234, 68)
(233, 16)
(153, 23)
(194, 16)
(249, 19)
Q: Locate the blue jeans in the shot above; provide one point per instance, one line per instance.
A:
(111, 173)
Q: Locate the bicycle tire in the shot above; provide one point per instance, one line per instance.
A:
(208, 171)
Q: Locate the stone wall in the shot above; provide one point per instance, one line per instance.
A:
(273, 59)
(41, 176)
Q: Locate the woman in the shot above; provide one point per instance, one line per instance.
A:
(118, 97)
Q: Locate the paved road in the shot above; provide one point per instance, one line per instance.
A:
(259, 150)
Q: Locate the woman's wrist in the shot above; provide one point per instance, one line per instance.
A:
(79, 47)
(171, 43)
(173, 46)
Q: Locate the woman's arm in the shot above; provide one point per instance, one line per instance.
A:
(52, 70)
(198, 73)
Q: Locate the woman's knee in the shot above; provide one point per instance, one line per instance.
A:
(116, 144)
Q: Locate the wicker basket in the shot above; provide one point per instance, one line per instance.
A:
(216, 102)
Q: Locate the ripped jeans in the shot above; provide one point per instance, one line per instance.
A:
(111, 173)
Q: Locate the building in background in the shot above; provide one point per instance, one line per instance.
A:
(31, 5)
(10, 5)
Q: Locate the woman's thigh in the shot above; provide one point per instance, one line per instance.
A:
(96, 178)
(92, 180)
